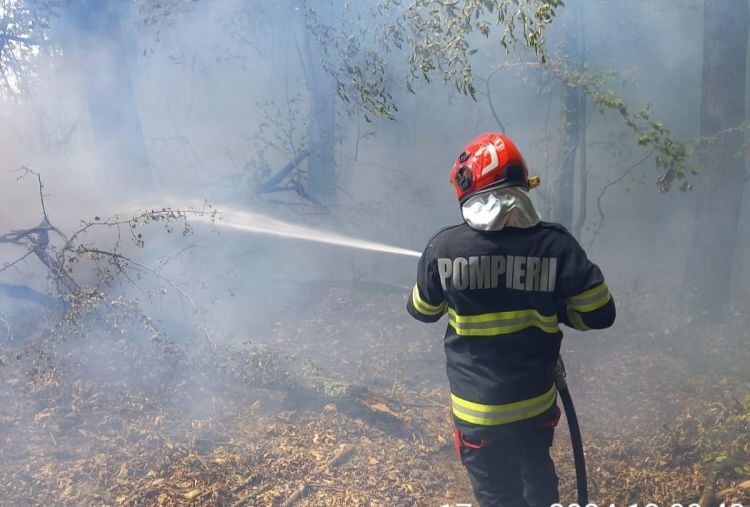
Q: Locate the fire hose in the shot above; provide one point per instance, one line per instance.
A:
(575, 433)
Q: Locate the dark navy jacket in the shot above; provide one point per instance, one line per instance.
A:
(505, 293)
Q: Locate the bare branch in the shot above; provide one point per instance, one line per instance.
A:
(606, 187)
(9, 265)
(60, 254)
(124, 261)
(489, 99)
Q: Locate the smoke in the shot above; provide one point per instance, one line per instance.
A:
(140, 105)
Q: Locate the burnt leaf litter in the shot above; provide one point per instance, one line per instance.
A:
(358, 414)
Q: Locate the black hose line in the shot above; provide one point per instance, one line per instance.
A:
(575, 434)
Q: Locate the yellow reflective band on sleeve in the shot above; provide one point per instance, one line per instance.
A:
(576, 321)
(424, 307)
(491, 324)
(495, 415)
(590, 300)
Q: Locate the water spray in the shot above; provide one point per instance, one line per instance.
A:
(261, 224)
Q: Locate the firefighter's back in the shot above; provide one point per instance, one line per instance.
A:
(502, 340)
(506, 280)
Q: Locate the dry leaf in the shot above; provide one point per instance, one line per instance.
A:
(123, 472)
(192, 495)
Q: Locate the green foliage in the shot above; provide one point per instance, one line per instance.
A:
(355, 56)
(439, 31)
(671, 155)
(723, 443)
(437, 34)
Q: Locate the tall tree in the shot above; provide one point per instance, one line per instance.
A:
(572, 122)
(722, 177)
(95, 41)
(321, 165)
(309, 135)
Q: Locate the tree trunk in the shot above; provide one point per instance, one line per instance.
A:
(321, 166)
(570, 127)
(97, 49)
(720, 185)
(583, 172)
(567, 156)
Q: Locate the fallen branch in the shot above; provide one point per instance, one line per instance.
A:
(274, 181)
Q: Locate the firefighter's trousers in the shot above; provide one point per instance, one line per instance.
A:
(510, 470)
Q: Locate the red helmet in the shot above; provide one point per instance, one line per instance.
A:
(489, 161)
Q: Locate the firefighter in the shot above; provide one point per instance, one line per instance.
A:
(506, 280)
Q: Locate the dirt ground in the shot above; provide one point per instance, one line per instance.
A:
(100, 421)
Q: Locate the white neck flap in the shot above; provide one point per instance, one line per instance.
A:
(496, 209)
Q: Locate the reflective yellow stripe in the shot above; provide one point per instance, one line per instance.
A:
(490, 324)
(590, 300)
(576, 321)
(424, 307)
(493, 415)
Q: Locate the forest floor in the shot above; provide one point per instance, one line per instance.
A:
(109, 422)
